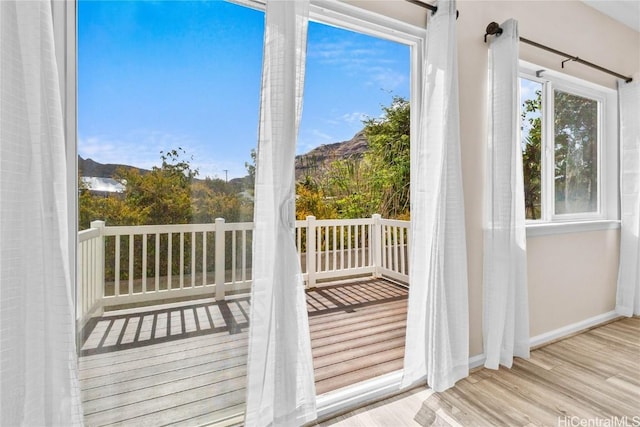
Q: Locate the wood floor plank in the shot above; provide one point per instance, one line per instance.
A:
(135, 384)
(339, 356)
(219, 395)
(578, 381)
(384, 336)
(198, 354)
(334, 318)
(358, 363)
(233, 359)
(350, 335)
(163, 388)
(352, 377)
(154, 414)
(362, 323)
(168, 351)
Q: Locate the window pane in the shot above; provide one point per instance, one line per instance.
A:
(531, 99)
(168, 101)
(576, 153)
(349, 77)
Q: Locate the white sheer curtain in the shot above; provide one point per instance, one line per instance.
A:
(280, 383)
(506, 306)
(437, 318)
(38, 367)
(628, 295)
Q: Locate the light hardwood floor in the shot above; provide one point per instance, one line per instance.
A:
(590, 379)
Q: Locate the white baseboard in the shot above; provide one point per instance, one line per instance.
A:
(476, 361)
(556, 334)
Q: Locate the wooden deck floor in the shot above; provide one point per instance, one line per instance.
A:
(186, 364)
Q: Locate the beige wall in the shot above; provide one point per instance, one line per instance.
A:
(571, 276)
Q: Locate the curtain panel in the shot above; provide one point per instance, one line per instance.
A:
(505, 302)
(437, 319)
(280, 380)
(38, 365)
(628, 294)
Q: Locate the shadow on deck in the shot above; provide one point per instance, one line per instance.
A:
(186, 362)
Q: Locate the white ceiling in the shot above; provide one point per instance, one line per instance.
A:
(624, 11)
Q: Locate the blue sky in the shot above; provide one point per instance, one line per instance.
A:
(157, 75)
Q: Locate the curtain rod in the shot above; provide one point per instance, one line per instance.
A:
(431, 7)
(494, 29)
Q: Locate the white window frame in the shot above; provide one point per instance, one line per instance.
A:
(606, 215)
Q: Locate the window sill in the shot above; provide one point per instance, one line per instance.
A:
(551, 228)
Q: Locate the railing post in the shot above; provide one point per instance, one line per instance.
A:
(98, 279)
(220, 259)
(311, 251)
(377, 245)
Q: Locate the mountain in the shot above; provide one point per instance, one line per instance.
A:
(312, 163)
(319, 159)
(89, 167)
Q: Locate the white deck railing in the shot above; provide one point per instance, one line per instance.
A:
(133, 264)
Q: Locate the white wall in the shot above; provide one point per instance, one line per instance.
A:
(572, 277)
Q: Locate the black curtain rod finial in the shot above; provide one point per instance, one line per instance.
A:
(493, 29)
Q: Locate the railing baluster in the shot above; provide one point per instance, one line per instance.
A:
(220, 259)
(117, 267)
(131, 256)
(169, 259)
(181, 260)
(342, 247)
(395, 248)
(157, 260)
(402, 250)
(144, 263)
(233, 256)
(349, 254)
(193, 259)
(319, 249)
(84, 256)
(335, 248)
(356, 246)
(204, 258)
(311, 251)
(326, 248)
(244, 256)
(387, 245)
(363, 246)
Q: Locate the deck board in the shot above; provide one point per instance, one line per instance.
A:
(185, 364)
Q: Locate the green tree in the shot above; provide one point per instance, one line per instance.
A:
(251, 169)
(531, 156)
(575, 153)
(376, 183)
(310, 200)
(162, 196)
(350, 186)
(388, 156)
